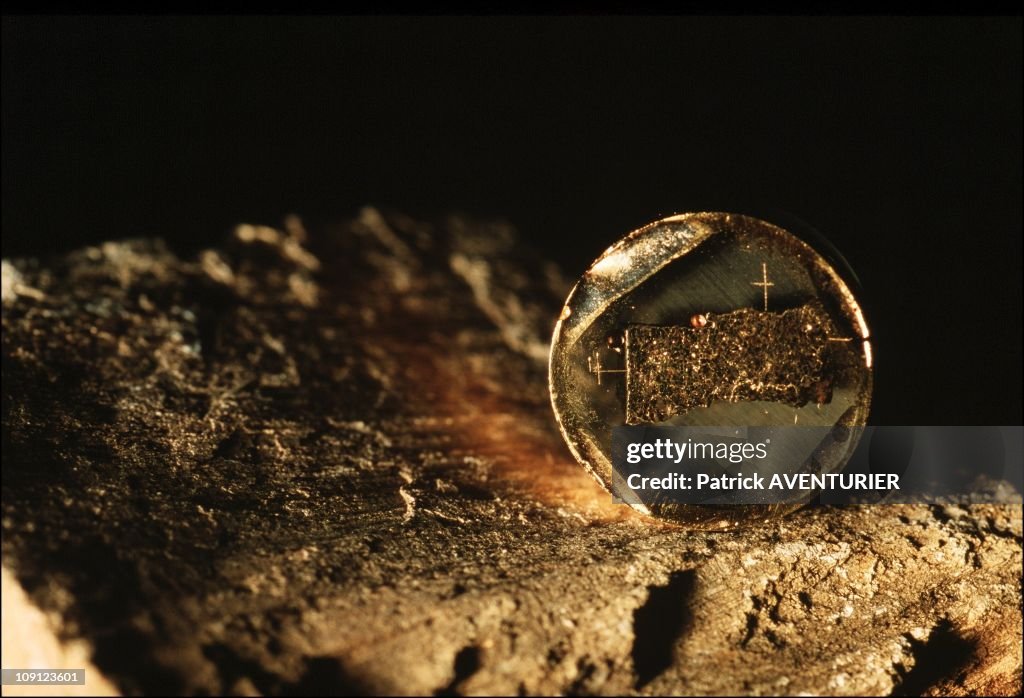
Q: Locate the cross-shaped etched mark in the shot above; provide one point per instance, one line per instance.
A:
(764, 282)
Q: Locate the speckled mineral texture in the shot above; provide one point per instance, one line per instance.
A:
(735, 357)
(330, 465)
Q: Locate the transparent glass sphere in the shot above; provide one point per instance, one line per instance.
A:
(772, 336)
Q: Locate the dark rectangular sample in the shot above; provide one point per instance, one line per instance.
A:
(738, 356)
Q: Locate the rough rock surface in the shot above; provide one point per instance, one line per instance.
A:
(29, 642)
(331, 466)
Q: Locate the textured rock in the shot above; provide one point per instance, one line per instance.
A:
(331, 465)
(740, 356)
(29, 642)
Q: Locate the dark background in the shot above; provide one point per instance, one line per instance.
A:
(898, 139)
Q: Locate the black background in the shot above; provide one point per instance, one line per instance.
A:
(898, 138)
